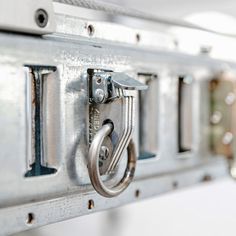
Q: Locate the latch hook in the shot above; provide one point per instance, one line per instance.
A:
(93, 166)
(111, 99)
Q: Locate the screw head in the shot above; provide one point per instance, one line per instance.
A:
(104, 153)
(41, 18)
(227, 138)
(98, 80)
(216, 117)
(230, 98)
(99, 95)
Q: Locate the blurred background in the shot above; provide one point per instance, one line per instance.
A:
(206, 209)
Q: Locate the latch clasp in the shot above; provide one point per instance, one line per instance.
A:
(111, 123)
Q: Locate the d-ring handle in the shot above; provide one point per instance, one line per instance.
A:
(93, 167)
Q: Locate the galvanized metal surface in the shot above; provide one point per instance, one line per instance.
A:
(27, 202)
(118, 10)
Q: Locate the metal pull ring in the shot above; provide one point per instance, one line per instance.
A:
(93, 166)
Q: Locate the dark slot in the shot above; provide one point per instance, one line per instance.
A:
(148, 117)
(184, 114)
(37, 168)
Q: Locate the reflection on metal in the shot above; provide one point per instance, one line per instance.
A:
(114, 92)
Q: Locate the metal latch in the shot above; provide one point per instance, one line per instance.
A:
(111, 123)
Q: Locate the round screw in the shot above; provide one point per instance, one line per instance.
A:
(99, 95)
(98, 80)
(41, 18)
(227, 138)
(230, 98)
(216, 117)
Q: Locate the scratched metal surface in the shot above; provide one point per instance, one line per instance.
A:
(65, 194)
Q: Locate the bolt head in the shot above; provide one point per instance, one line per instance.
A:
(216, 117)
(98, 80)
(227, 138)
(99, 95)
(230, 98)
(104, 153)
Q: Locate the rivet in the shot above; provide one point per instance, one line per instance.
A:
(227, 138)
(230, 98)
(216, 117)
(99, 95)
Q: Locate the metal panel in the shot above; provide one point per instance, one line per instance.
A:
(38, 200)
(27, 16)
